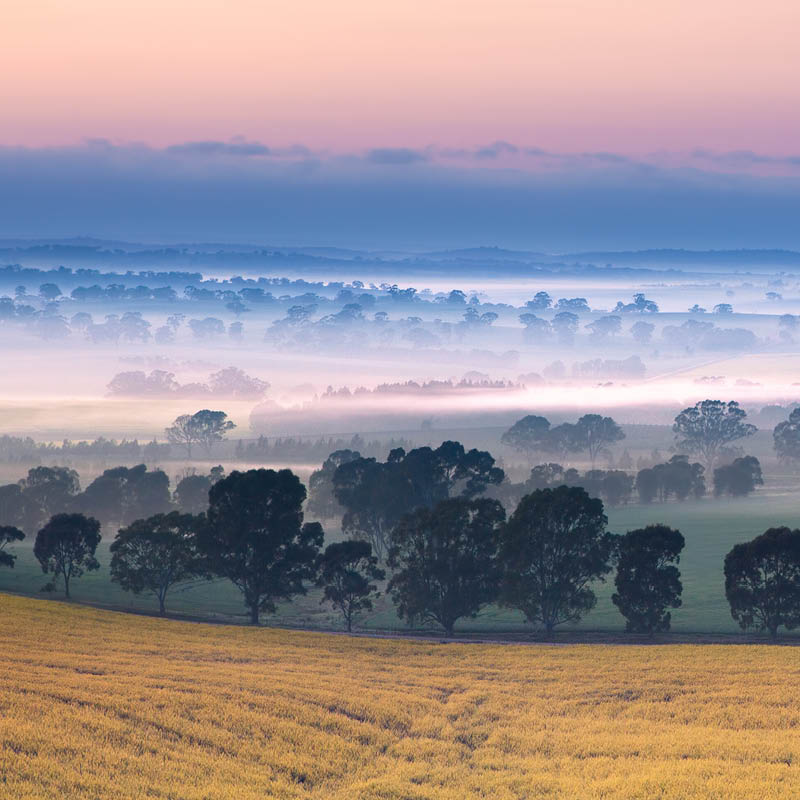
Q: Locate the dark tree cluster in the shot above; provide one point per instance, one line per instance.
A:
(118, 496)
(739, 478)
(375, 494)
(676, 478)
(592, 434)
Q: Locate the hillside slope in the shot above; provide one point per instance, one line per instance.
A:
(97, 704)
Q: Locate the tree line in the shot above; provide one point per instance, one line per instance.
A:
(449, 557)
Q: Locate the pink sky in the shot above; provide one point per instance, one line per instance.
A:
(628, 76)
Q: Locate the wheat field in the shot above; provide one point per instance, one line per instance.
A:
(97, 704)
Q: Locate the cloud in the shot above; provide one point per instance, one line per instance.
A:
(529, 199)
(395, 155)
(214, 148)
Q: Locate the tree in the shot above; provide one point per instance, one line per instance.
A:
(786, 437)
(346, 571)
(676, 477)
(191, 493)
(762, 581)
(124, 494)
(642, 332)
(49, 291)
(51, 489)
(445, 560)
(204, 427)
(8, 535)
(738, 478)
(376, 495)
(156, 554)
(527, 435)
(565, 325)
(604, 327)
(552, 548)
(541, 301)
(65, 547)
(255, 536)
(647, 581)
(321, 500)
(594, 433)
(710, 425)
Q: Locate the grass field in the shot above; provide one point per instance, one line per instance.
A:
(97, 704)
(711, 528)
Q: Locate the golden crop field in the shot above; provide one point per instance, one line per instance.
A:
(98, 704)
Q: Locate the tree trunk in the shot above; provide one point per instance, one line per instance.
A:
(773, 632)
(162, 610)
(254, 614)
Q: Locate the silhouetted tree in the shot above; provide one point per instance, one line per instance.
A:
(156, 554)
(65, 548)
(676, 477)
(710, 425)
(762, 581)
(527, 435)
(8, 535)
(321, 500)
(738, 478)
(445, 560)
(124, 494)
(51, 489)
(593, 433)
(346, 571)
(786, 437)
(553, 547)
(255, 536)
(204, 428)
(647, 581)
(375, 495)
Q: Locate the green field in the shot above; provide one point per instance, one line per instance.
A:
(710, 527)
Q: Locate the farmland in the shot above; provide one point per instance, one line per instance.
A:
(101, 704)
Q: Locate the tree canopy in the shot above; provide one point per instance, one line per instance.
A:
(65, 548)
(708, 426)
(156, 554)
(647, 580)
(346, 572)
(762, 581)
(445, 560)
(255, 536)
(553, 547)
(8, 535)
(204, 428)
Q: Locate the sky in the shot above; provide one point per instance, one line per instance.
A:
(551, 124)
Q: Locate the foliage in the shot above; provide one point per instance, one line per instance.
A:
(255, 536)
(675, 477)
(553, 547)
(8, 535)
(527, 435)
(738, 478)
(786, 437)
(445, 560)
(762, 581)
(345, 573)
(157, 554)
(65, 548)
(647, 580)
(710, 425)
(123, 494)
(321, 500)
(205, 428)
(376, 494)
